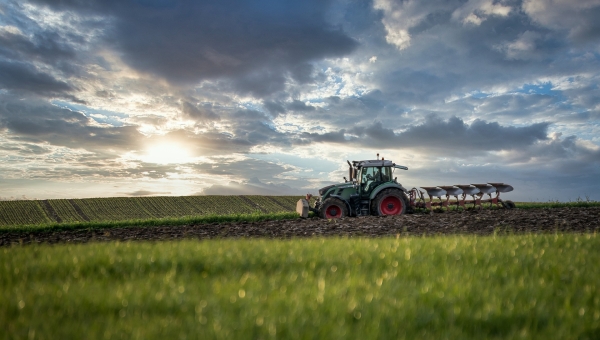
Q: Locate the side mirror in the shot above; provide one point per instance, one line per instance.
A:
(345, 180)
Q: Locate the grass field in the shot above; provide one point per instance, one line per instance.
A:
(467, 287)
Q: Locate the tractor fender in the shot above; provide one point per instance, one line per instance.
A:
(386, 186)
(345, 202)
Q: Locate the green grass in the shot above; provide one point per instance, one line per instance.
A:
(556, 204)
(459, 287)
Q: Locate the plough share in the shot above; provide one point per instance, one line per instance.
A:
(460, 192)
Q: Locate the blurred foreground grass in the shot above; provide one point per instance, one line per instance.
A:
(532, 286)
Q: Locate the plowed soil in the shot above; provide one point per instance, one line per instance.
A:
(484, 222)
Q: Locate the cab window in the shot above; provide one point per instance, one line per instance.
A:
(368, 175)
(386, 174)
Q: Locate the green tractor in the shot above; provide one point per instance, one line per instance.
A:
(371, 190)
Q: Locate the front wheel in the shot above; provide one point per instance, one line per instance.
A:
(389, 202)
(333, 208)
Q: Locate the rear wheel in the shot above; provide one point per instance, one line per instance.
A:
(333, 208)
(389, 202)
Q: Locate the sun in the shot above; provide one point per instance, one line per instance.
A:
(167, 153)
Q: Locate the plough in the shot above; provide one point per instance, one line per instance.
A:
(475, 191)
(372, 189)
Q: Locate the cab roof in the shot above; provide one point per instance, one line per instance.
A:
(376, 163)
(372, 162)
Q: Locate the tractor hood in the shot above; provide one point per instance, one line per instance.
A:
(323, 190)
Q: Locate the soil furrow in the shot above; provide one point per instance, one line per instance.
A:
(79, 211)
(50, 211)
(485, 222)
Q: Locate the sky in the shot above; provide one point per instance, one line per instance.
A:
(102, 98)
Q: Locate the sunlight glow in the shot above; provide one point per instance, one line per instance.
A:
(167, 153)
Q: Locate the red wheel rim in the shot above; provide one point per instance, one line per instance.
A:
(333, 211)
(390, 206)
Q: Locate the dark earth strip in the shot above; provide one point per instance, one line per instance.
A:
(485, 222)
(79, 211)
(51, 212)
(253, 204)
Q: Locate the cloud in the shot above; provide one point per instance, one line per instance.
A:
(256, 44)
(474, 12)
(38, 121)
(147, 193)
(253, 186)
(452, 136)
(43, 46)
(479, 135)
(402, 19)
(568, 154)
(578, 18)
(202, 113)
(297, 105)
(22, 76)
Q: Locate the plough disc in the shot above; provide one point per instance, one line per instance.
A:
(460, 192)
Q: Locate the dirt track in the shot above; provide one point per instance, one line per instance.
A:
(470, 222)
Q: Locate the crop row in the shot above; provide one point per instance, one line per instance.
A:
(22, 212)
(128, 208)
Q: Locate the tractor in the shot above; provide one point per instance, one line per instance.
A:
(372, 189)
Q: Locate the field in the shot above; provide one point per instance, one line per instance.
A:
(472, 222)
(61, 214)
(462, 287)
(523, 273)
(98, 212)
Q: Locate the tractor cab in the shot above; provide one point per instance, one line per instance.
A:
(371, 174)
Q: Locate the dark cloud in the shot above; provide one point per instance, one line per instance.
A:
(274, 108)
(437, 135)
(255, 43)
(202, 113)
(40, 122)
(261, 82)
(21, 76)
(328, 137)
(297, 105)
(454, 133)
(44, 46)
